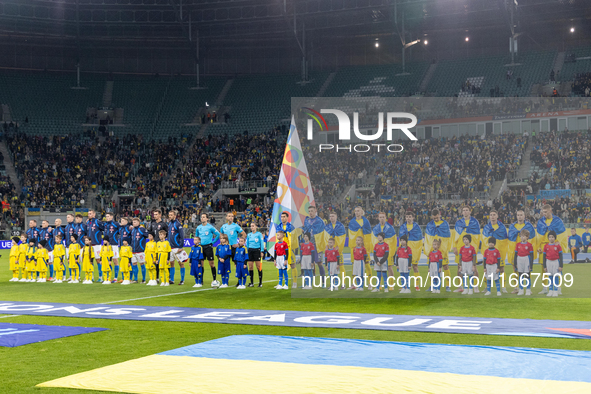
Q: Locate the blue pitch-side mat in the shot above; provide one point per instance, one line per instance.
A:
(362, 321)
(505, 362)
(12, 335)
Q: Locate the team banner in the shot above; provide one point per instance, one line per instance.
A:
(552, 194)
(12, 335)
(360, 321)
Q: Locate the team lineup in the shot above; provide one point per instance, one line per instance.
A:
(381, 248)
(69, 253)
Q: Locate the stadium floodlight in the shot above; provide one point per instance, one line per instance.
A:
(467, 39)
(426, 42)
(377, 43)
(572, 29)
(412, 43)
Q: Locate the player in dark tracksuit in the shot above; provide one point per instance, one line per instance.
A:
(94, 230)
(155, 227)
(176, 239)
(111, 229)
(139, 237)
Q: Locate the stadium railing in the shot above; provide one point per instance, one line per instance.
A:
(244, 184)
(429, 196)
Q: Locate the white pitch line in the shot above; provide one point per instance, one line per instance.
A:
(3, 317)
(160, 295)
(166, 295)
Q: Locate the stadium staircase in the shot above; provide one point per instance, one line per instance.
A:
(6, 117)
(558, 62)
(160, 106)
(526, 169)
(261, 102)
(91, 201)
(9, 167)
(108, 94)
(427, 78)
(220, 99)
(219, 102)
(325, 84)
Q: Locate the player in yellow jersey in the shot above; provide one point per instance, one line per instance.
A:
(106, 256)
(22, 257)
(73, 258)
(87, 256)
(163, 249)
(13, 259)
(31, 259)
(125, 255)
(42, 257)
(151, 258)
(59, 255)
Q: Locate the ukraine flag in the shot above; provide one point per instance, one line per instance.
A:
(315, 227)
(438, 230)
(555, 224)
(462, 228)
(338, 232)
(390, 238)
(513, 238)
(360, 228)
(498, 232)
(415, 239)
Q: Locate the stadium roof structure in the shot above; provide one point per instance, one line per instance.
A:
(119, 35)
(256, 19)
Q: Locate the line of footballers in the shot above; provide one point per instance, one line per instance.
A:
(71, 252)
(122, 247)
(380, 249)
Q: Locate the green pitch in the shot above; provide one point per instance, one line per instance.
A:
(25, 366)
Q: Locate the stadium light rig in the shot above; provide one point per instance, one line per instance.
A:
(467, 39)
(572, 29)
(377, 44)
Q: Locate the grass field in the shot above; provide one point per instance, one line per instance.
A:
(23, 367)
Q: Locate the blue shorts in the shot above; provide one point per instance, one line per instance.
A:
(241, 272)
(225, 267)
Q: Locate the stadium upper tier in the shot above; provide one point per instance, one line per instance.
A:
(490, 72)
(159, 106)
(48, 101)
(260, 102)
(378, 80)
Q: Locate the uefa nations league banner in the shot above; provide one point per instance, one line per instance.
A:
(360, 321)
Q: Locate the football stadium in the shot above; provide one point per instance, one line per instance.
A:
(342, 196)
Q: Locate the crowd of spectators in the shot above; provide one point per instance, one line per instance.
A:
(218, 159)
(59, 171)
(564, 160)
(439, 168)
(581, 85)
